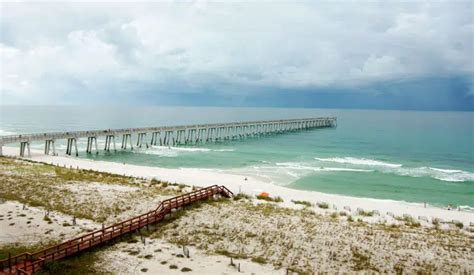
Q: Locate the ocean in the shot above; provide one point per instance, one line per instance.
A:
(396, 155)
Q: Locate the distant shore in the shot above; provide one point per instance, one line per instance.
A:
(387, 210)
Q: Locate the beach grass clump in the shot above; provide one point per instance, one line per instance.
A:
(459, 224)
(240, 196)
(334, 215)
(230, 254)
(47, 219)
(268, 198)
(360, 259)
(410, 221)
(323, 205)
(305, 203)
(259, 260)
(364, 213)
(436, 222)
(83, 263)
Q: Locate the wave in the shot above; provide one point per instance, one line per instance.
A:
(6, 133)
(437, 173)
(359, 161)
(299, 166)
(442, 174)
(193, 149)
(466, 208)
(166, 151)
(445, 170)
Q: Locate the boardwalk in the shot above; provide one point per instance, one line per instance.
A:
(167, 136)
(29, 263)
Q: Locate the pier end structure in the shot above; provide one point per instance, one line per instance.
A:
(166, 135)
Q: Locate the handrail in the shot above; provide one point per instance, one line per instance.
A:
(28, 263)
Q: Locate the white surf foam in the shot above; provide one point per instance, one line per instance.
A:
(359, 161)
(166, 151)
(449, 175)
(6, 133)
(445, 170)
(466, 208)
(302, 166)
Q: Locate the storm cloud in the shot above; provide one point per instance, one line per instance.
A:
(65, 52)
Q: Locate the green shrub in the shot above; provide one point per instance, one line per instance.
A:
(305, 203)
(268, 198)
(242, 196)
(323, 205)
(259, 260)
(365, 213)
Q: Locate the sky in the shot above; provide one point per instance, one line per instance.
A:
(414, 55)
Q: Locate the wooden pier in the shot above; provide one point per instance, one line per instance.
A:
(164, 136)
(30, 263)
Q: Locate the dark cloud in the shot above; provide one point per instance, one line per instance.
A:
(259, 50)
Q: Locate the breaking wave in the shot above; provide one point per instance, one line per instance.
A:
(449, 175)
(166, 151)
(299, 166)
(437, 173)
(359, 161)
(6, 133)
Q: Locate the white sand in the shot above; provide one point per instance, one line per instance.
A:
(25, 225)
(163, 254)
(252, 186)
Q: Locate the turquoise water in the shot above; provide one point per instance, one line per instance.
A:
(398, 155)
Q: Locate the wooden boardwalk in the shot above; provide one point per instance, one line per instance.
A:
(29, 263)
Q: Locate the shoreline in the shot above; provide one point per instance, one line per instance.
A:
(252, 186)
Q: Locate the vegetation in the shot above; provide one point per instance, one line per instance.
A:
(55, 188)
(323, 205)
(259, 260)
(459, 225)
(364, 213)
(16, 248)
(305, 203)
(83, 263)
(240, 196)
(268, 198)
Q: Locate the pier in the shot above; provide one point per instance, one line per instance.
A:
(164, 136)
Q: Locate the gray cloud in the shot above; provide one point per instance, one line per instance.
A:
(53, 49)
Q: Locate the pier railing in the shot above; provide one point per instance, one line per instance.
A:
(29, 263)
(167, 135)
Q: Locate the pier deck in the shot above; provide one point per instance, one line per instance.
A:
(167, 135)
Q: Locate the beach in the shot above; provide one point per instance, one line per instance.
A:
(284, 233)
(252, 186)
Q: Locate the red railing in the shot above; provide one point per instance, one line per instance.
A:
(29, 263)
